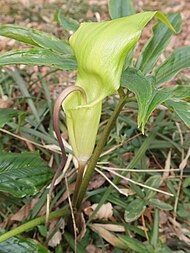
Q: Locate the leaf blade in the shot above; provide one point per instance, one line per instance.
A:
(135, 210)
(7, 114)
(182, 109)
(120, 8)
(136, 82)
(39, 57)
(157, 43)
(177, 61)
(22, 245)
(67, 24)
(35, 38)
(23, 174)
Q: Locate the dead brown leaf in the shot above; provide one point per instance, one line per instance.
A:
(111, 227)
(104, 213)
(96, 182)
(5, 102)
(56, 238)
(108, 236)
(23, 213)
(91, 248)
(82, 227)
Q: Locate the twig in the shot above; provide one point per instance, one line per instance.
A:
(72, 214)
(27, 140)
(119, 190)
(144, 226)
(133, 170)
(119, 145)
(181, 166)
(57, 181)
(167, 165)
(142, 185)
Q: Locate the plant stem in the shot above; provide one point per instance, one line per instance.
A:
(65, 211)
(97, 151)
(78, 182)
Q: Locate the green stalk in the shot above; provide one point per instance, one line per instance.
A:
(65, 211)
(78, 183)
(98, 151)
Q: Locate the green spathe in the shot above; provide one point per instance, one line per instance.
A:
(100, 50)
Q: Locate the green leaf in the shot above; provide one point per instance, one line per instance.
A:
(134, 210)
(22, 245)
(177, 61)
(120, 8)
(134, 244)
(154, 182)
(163, 95)
(39, 57)
(157, 43)
(35, 38)
(181, 91)
(7, 115)
(155, 230)
(23, 174)
(137, 190)
(67, 24)
(136, 82)
(158, 97)
(160, 204)
(182, 108)
(70, 240)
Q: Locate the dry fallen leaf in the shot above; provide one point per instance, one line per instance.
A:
(23, 213)
(57, 237)
(108, 236)
(5, 102)
(96, 182)
(111, 227)
(82, 229)
(104, 213)
(91, 248)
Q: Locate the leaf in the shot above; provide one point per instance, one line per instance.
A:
(134, 210)
(104, 213)
(111, 227)
(23, 174)
(181, 91)
(182, 108)
(7, 115)
(137, 190)
(134, 244)
(158, 97)
(155, 230)
(39, 57)
(157, 43)
(186, 182)
(22, 245)
(108, 236)
(160, 204)
(163, 95)
(24, 212)
(136, 82)
(67, 24)
(154, 182)
(70, 240)
(120, 8)
(35, 38)
(177, 61)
